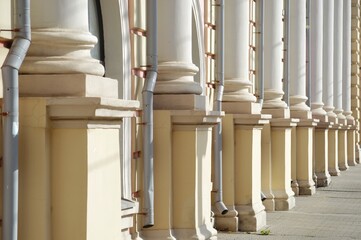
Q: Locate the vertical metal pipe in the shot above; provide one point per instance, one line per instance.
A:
(260, 52)
(147, 94)
(308, 55)
(10, 75)
(218, 106)
(286, 51)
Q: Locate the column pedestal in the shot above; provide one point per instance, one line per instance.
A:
(281, 158)
(266, 166)
(321, 154)
(305, 159)
(184, 181)
(333, 168)
(82, 185)
(342, 149)
(351, 146)
(251, 212)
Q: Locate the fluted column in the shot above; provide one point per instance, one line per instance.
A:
(237, 83)
(61, 41)
(273, 54)
(176, 70)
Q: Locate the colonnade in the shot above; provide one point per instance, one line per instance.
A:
(86, 114)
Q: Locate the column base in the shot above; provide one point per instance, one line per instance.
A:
(323, 180)
(269, 202)
(295, 187)
(285, 204)
(352, 162)
(227, 222)
(203, 232)
(166, 234)
(343, 167)
(334, 172)
(306, 188)
(251, 218)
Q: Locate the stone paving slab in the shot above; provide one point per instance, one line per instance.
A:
(332, 213)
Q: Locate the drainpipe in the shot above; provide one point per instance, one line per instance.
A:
(221, 207)
(260, 53)
(308, 55)
(147, 94)
(286, 51)
(10, 113)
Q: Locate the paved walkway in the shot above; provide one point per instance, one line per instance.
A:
(333, 212)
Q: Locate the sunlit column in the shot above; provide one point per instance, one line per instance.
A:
(176, 69)
(273, 54)
(61, 41)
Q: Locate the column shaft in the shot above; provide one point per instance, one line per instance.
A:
(273, 54)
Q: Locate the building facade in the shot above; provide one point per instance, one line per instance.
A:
(255, 102)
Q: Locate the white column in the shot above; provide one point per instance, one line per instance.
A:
(273, 54)
(328, 31)
(176, 70)
(297, 48)
(337, 64)
(346, 59)
(61, 41)
(237, 83)
(316, 24)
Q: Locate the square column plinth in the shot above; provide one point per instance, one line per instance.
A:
(321, 155)
(305, 160)
(351, 146)
(281, 163)
(333, 168)
(266, 167)
(247, 144)
(69, 165)
(342, 149)
(182, 170)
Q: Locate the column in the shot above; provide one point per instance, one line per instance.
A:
(237, 58)
(346, 84)
(61, 41)
(59, 62)
(318, 112)
(328, 85)
(327, 56)
(242, 127)
(337, 64)
(301, 163)
(338, 58)
(273, 54)
(175, 86)
(281, 123)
